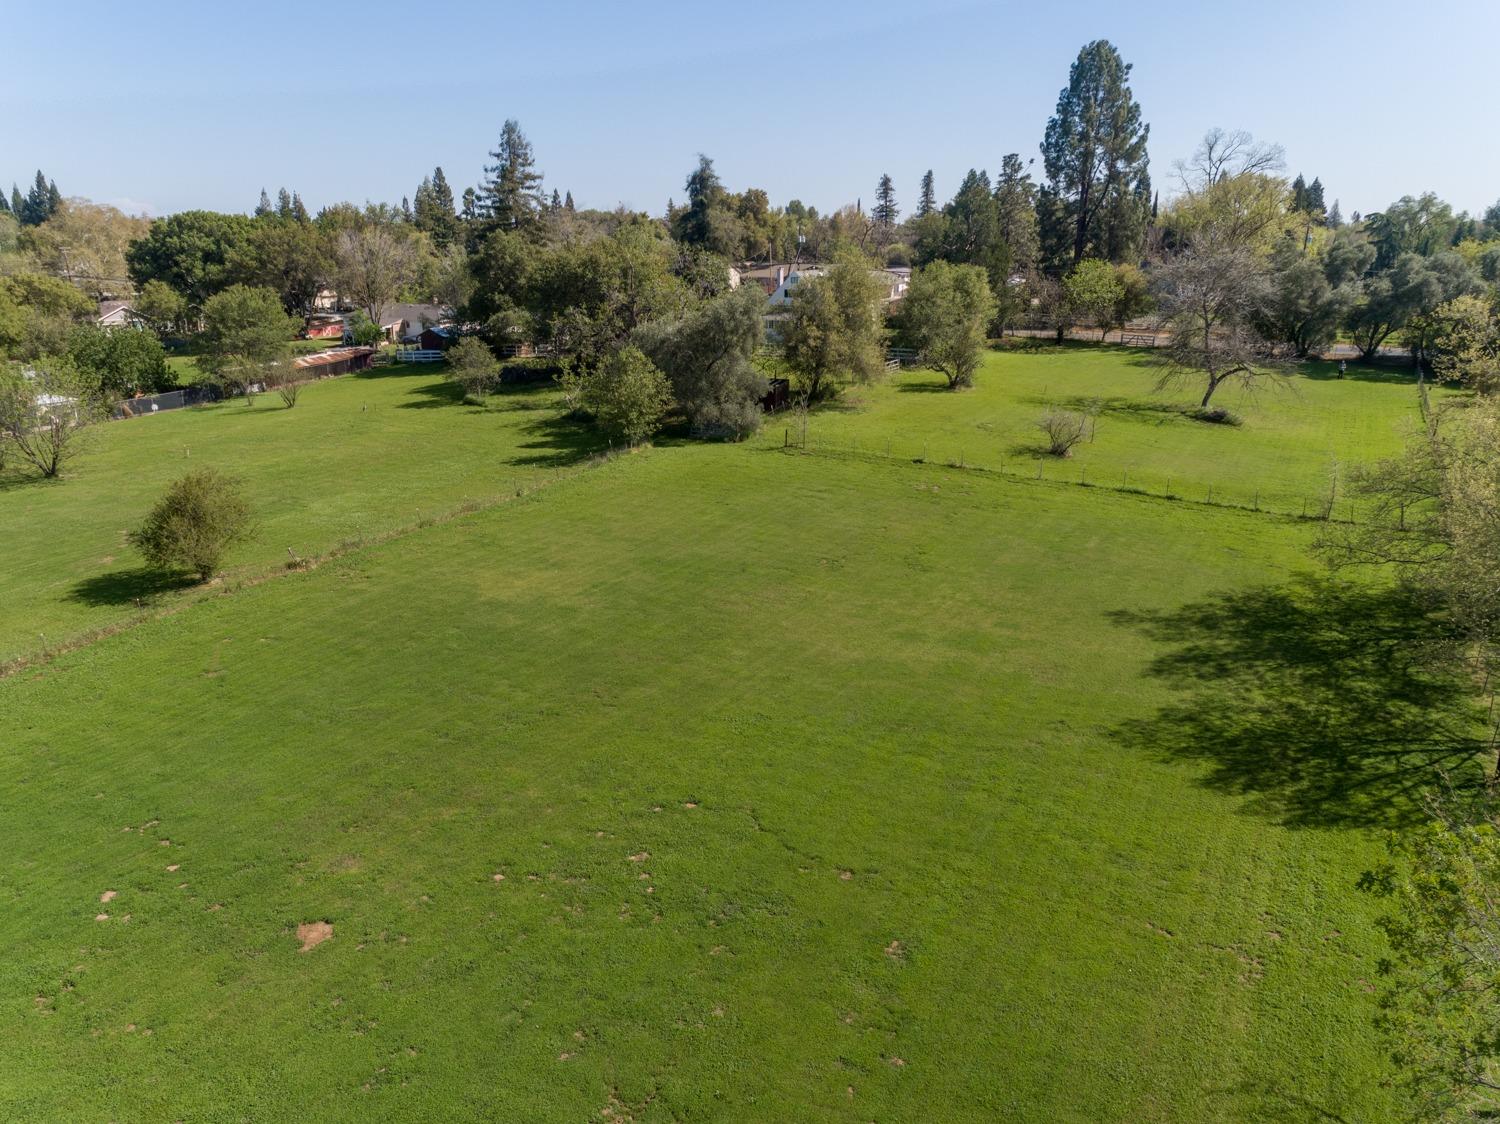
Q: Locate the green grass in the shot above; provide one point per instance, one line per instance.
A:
(185, 367)
(357, 457)
(824, 785)
(1284, 451)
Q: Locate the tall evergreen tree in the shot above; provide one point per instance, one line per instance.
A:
(284, 204)
(705, 192)
(433, 209)
(1315, 204)
(1299, 194)
(40, 203)
(470, 210)
(17, 204)
(927, 201)
(4, 204)
(511, 195)
(568, 202)
(264, 208)
(885, 211)
(1095, 151)
(1335, 216)
(1015, 206)
(556, 204)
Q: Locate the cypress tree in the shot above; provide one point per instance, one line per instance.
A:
(927, 203)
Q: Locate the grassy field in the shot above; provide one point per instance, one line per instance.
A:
(712, 782)
(357, 457)
(1291, 437)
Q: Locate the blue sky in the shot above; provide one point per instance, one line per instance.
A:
(166, 106)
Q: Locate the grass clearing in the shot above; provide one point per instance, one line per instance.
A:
(713, 782)
(1283, 453)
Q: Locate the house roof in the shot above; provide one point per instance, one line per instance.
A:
(109, 308)
(414, 313)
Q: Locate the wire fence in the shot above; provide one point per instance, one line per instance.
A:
(1331, 504)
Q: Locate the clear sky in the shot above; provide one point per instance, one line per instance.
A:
(159, 107)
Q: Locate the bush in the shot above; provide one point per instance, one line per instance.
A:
(529, 370)
(628, 396)
(1064, 429)
(194, 524)
(471, 364)
(362, 331)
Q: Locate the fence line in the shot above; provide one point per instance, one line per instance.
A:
(1327, 508)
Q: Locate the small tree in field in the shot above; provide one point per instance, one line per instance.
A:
(1064, 429)
(947, 310)
(1213, 296)
(44, 411)
(246, 337)
(194, 524)
(1093, 290)
(832, 333)
(472, 365)
(628, 396)
(287, 385)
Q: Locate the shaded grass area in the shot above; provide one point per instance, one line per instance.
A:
(351, 460)
(1291, 441)
(818, 789)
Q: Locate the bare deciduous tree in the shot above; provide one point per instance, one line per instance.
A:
(44, 411)
(374, 263)
(1064, 429)
(1224, 154)
(1211, 296)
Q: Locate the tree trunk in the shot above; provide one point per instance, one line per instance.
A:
(1213, 385)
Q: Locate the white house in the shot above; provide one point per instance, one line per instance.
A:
(118, 314)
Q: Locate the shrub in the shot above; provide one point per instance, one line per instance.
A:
(628, 396)
(192, 526)
(362, 331)
(1064, 429)
(471, 364)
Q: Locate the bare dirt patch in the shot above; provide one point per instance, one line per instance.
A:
(640, 856)
(108, 896)
(845, 875)
(313, 933)
(896, 950)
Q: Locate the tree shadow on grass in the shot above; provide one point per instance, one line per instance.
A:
(126, 587)
(1117, 406)
(557, 441)
(1323, 704)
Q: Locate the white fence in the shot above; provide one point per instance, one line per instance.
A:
(418, 355)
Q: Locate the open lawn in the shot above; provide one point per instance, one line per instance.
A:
(357, 457)
(713, 782)
(1290, 439)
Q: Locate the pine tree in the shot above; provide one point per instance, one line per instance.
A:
(556, 204)
(470, 210)
(1335, 216)
(568, 201)
(886, 211)
(17, 204)
(284, 204)
(1299, 195)
(511, 195)
(264, 208)
(442, 194)
(406, 209)
(1095, 154)
(433, 209)
(40, 202)
(1015, 204)
(1315, 205)
(927, 203)
(4, 204)
(54, 198)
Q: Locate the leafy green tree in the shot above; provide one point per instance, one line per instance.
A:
(1422, 225)
(41, 202)
(1095, 151)
(84, 243)
(46, 410)
(510, 198)
(1466, 344)
(472, 366)
(43, 312)
(1390, 300)
(1093, 290)
(193, 252)
(927, 200)
(707, 214)
(194, 524)
(627, 396)
(707, 357)
(293, 258)
(123, 362)
(362, 331)
(1305, 307)
(162, 306)
(245, 337)
(946, 312)
(832, 334)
